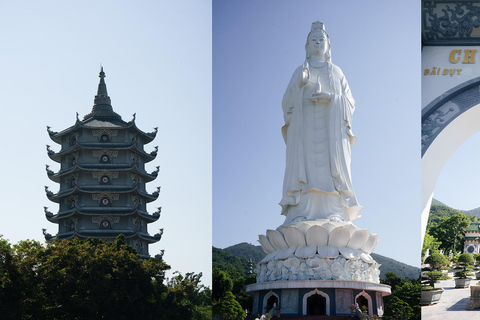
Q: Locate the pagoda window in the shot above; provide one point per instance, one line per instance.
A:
(105, 224)
(105, 159)
(105, 138)
(73, 161)
(105, 202)
(71, 226)
(105, 180)
(73, 141)
(72, 204)
(72, 183)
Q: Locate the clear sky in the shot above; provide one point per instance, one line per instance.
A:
(157, 58)
(457, 185)
(256, 47)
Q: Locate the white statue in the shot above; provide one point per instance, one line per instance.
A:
(318, 108)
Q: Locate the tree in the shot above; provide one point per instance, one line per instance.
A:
(430, 274)
(228, 308)
(90, 279)
(450, 231)
(221, 284)
(431, 243)
(187, 299)
(404, 300)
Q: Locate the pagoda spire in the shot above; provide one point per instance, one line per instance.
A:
(102, 106)
(102, 95)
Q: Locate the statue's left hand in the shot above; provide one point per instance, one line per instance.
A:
(322, 97)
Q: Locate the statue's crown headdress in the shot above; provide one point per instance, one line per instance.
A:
(318, 26)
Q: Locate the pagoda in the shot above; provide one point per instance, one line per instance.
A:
(102, 178)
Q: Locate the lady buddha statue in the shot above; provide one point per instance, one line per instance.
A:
(318, 108)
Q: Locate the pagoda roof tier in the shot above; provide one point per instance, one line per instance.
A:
(470, 238)
(95, 211)
(100, 167)
(93, 123)
(108, 234)
(103, 189)
(132, 146)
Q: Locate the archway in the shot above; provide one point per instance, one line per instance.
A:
(269, 300)
(316, 305)
(316, 302)
(447, 122)
(363, 299)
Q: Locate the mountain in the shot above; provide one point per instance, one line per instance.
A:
(472, 213)
(246, 251)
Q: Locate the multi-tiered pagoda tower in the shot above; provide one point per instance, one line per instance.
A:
(102, 178)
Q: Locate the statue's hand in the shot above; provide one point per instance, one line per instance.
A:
(305, 75)
(321, 97)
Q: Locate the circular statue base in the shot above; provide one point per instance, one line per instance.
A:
(322, 297)
(318, 267)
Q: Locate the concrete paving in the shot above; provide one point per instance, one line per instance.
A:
(452, 304)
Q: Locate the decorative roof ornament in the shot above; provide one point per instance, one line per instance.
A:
(102, 106)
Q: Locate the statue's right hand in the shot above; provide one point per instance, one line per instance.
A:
(305, 76)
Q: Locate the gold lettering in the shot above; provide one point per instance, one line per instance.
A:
(452, 56)
(469, 56)
(458, 71)
(426, 72)
(445, 72)
(452, 72)
(433, 71)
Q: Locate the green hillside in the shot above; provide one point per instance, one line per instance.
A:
(245, 251)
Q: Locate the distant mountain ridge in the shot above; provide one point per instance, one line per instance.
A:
(248, 252)
(473, 212)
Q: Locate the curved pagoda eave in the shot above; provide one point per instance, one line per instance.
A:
(108, 234)
(100, 167)
(132, 146)
(96, 211)
(147, 197)
(57, 136)
(147, 136)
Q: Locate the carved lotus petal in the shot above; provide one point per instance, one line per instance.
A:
(266, 245)
(306, 252)
(317, 236)
(269, 256)
(304, 227)
(349, 253)
(285, 253)
(366, 257)
(358, 239)
(328, 251)
(339, 237)
(370, 244)
(276, 239)
(351, 227)
(294, 237)
(329, 227)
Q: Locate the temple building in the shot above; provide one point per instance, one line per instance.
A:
(471, 240)
(102, 178)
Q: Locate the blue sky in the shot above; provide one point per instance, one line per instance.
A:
(457, 185)
(157, 65)
(256, 47)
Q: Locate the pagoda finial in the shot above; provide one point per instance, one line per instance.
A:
(102, 87)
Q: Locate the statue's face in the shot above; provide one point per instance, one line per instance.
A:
(317, 43)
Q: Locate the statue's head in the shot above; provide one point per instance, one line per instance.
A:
(318, 41)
